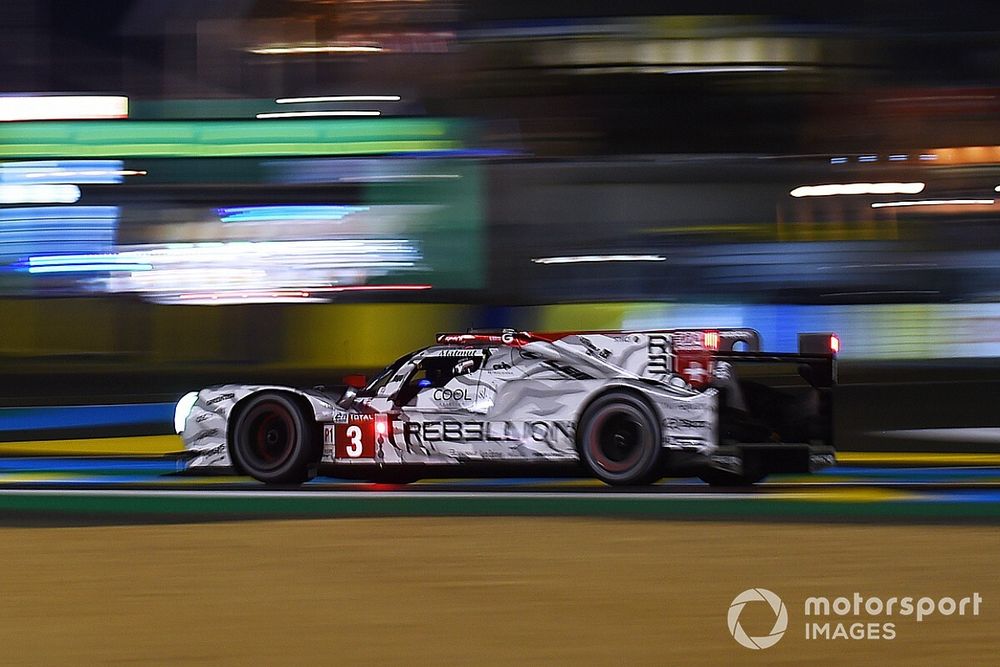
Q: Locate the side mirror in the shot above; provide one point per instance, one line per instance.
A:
(356, 381)
(464, 366)
(347, 399)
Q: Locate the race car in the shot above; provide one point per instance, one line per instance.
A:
(628, 407)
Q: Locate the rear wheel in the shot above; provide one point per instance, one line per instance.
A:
(620, 440)
(274, 441)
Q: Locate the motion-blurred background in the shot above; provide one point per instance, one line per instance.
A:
(205, 191)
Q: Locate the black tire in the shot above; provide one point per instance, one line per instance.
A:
(620, 440)
(752, 473)
(274, 441)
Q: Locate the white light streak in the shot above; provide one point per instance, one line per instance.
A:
(834, 189)
(43, 193)
(319, 48)
(730, 69)
(338, 98)
(934, 202)
(77, 172)
(583, 259)
(62, 107)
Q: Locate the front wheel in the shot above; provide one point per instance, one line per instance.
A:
(274, 441)
(620, 440)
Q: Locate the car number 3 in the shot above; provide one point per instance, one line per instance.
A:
(354, 447)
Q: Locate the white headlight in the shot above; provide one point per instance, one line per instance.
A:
(183, 409)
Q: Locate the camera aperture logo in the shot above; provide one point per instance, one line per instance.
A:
(855, 617)
(780, 618)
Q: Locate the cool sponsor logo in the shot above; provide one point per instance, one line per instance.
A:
(202, 417)
(446, 394)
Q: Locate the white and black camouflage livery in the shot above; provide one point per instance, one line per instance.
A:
(628, 406)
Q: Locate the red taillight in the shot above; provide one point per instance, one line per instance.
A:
(711, 340)
(834, 344)
(381, 425)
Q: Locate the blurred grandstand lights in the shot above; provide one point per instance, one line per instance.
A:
(62, 107)
(86, 173)
(580, 259)
(834, 189)
(374, 288)
(43, 193)
(934, 202)
(294, 213)
(72, 172)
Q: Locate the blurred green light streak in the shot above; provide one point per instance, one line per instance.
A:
(132, 139)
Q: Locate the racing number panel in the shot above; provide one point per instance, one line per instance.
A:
(355, 439)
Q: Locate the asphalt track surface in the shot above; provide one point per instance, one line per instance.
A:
(143, 489)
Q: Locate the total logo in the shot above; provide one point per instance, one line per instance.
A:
(780, 618)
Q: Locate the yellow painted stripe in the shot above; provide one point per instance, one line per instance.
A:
(919, 458)
(41, 476)
(843, 494)
(203, 480)
(147, 444)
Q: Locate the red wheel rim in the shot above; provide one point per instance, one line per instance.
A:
(271, 435)
(616, 439)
